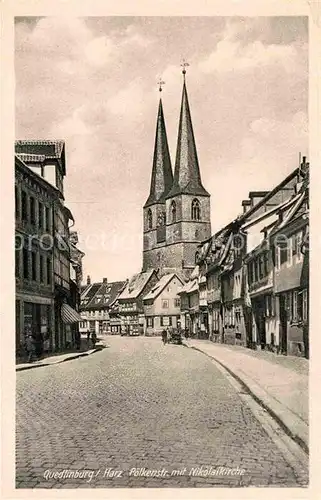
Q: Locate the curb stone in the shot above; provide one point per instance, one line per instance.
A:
(76, 356)
(281, 421)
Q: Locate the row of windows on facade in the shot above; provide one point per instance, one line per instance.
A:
(33, 266)
(32, 210)
(286, 252)
(98, 312)
(195, 214)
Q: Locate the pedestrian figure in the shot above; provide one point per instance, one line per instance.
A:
(186, 334)
(88, 337)
(77, 339)
(168, 334)
(30, 347)
(164, 336)
(94, 339)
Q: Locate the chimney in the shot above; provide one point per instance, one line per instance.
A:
(105, 280)
(88, 280)
(246, 204)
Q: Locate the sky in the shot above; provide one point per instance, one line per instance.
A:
(93, 83)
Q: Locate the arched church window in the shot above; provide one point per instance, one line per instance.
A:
(173, 211)
(196, 210)
(149, 219)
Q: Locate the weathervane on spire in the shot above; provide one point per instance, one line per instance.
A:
(160, 83)
(184, 65)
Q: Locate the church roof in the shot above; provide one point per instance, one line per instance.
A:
(162, 175)
(187, 177)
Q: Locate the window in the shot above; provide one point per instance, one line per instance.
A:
(250, 270)
(305, 305)
(295, 306)
(24, 206)
(25, 256)
(289, 252)
(255, 271)
(283, 254)
(260, 264)
(41, 221)
(149, 219)
(177, 302)
(166, 321)
(266, 264)
(48, 271)
(41, 267)
(32, 210)
(150, 322)
(196, 210)
(165, 304)
(47, 213)
(173, 211)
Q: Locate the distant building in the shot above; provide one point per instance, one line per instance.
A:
(162, 305)
(97, 300)
(129, 305)
(42, 216)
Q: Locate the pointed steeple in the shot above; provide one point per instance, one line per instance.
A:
(187, 177)
(162, 174)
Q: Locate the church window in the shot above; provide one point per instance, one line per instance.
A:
(173, 211)
(149, 219)
(196, 210)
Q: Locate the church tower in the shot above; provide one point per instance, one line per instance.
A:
(187, 203)
(155, 206)
(177, 211)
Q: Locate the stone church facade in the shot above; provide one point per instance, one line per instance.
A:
(177, 211)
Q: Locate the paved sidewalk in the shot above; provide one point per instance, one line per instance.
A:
(280, 385)
(53, 360)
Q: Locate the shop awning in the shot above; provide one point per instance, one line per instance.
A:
(69, 315)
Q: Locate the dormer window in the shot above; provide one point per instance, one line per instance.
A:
(149, 219)
(196, 210)
(173, 211)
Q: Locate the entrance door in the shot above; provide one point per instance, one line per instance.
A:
(283, 325)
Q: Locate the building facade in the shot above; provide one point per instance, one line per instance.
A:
(162, 305)
(43, 218)
(96, 309)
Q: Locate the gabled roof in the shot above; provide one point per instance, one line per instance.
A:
(190, 287)
(187, 177)
(136, 285)
(162, 175)
(106, 294)
(19, 163)
(160, 285)
(37, 150)
(89, 294)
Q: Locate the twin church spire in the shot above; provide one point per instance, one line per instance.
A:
(187, 177)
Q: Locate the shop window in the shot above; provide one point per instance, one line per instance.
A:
(25, 258)
(24, 206)
(166, 320)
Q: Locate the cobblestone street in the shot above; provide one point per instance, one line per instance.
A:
(139, 404)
